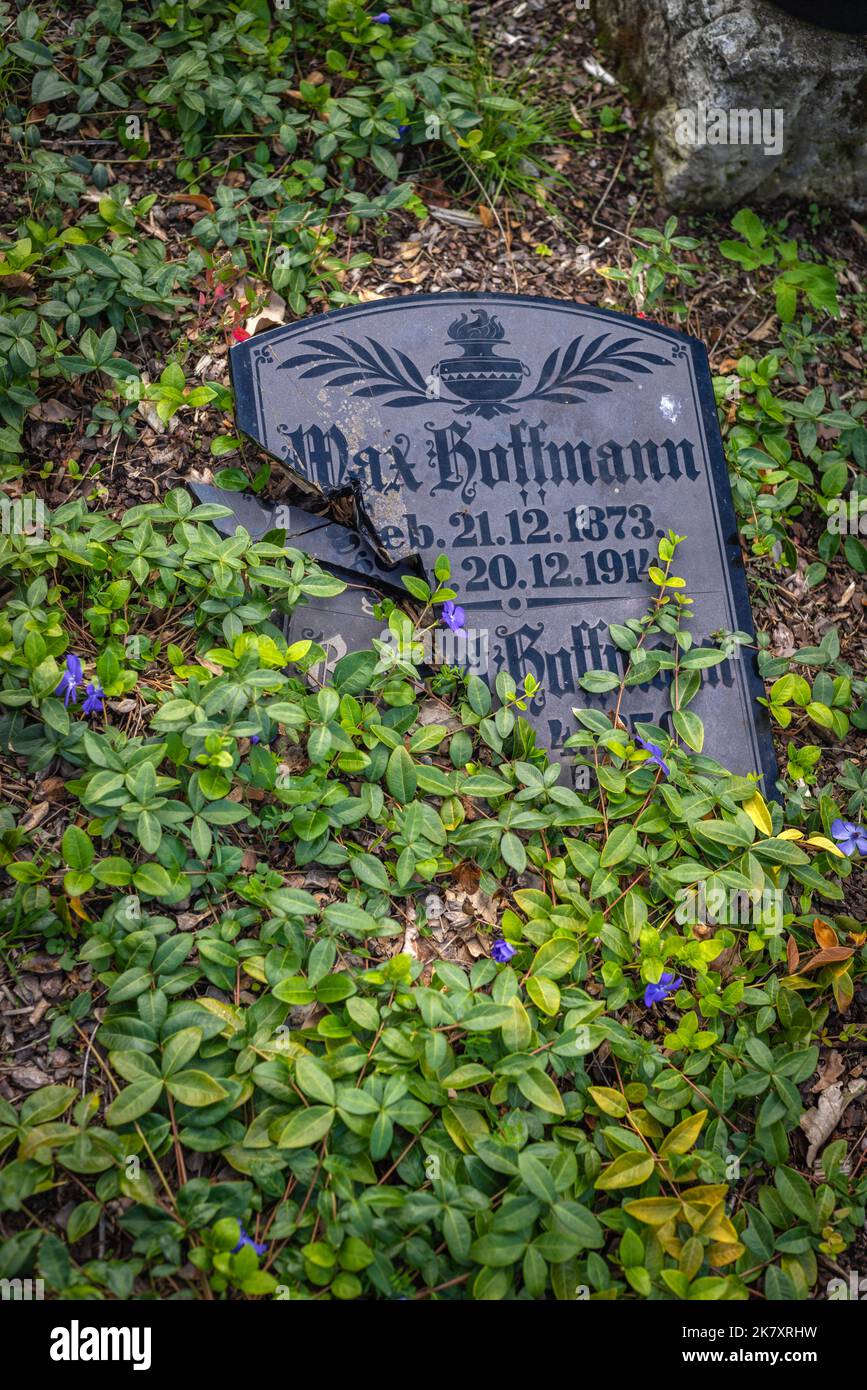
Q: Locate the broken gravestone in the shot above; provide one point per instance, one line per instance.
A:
(545, 447)
(336, 546)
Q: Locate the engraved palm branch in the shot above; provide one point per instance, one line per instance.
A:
(377, 372)
(375, 367)
(564, 373)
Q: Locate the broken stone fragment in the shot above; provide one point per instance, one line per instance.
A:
(341, 549)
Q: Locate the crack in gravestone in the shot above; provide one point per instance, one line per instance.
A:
(339, 547)
(340, 624)
(343, 623)
(545, 446)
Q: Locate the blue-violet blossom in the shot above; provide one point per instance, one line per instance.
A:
(655, 753)
(453, 616)
(851, 837)
(665, 985)
(70, 680)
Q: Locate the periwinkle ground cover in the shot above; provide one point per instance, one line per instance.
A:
(277, 1090)
(598, 1104)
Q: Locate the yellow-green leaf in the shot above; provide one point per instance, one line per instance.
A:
(681, 1139)
(629, 1170)
(609, 1100)
(759, 814)
(518, 1030)
(653, 1211)
(823, 842)
(544, 994)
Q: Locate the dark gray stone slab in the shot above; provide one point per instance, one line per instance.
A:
(545, 446)
(339, 625)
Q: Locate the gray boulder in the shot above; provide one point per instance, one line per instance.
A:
(744, 102)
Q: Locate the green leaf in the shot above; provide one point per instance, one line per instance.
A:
(134, 1100)
(479, 696)
(400, 775)
(470, 1074)
(599, 682)
(796, 1193)
(369, 870)
(690, 728)
(497, 1250)
(538, 1088)
(556, 957)
(306, 1127)
(722, 832)
(537, 1177)
(114, 871)
(621, 843)
(512, 850)
(196, 1088)
(314, 1080)
(75, 883)
(485, 784)
(149, 832)
(458, 1234)
(82, 1220)
(152, 878)
(77, 848)
(180, 1048)
(45, 1104)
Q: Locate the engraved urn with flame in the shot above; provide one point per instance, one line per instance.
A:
(479, 376)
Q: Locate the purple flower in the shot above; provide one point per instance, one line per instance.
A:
(502, 951)
(94, 698)
(453, 616)
(248, 1240)
(851, 837)
(254, 738)
(383, 18)
(70, 680)
(655, 753)
(667, 984)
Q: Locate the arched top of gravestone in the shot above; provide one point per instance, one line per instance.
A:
(341, 397)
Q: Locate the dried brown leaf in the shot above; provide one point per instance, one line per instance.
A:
(829, 957)
(793, 955)
(824, 934)
(834, 1068)
(819, 1123)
